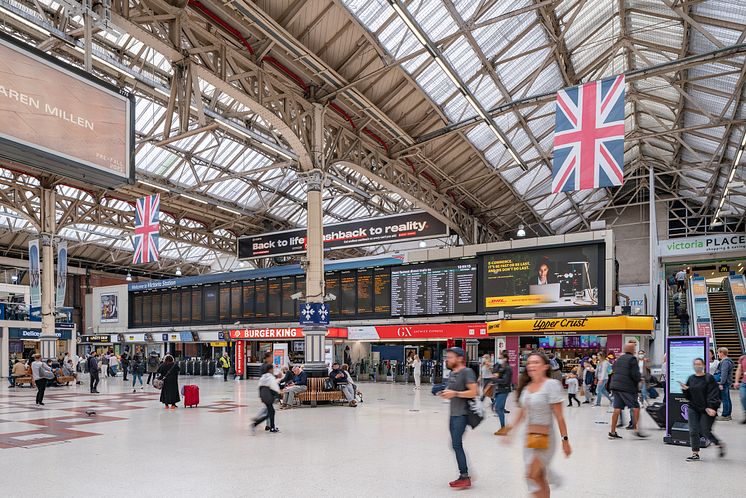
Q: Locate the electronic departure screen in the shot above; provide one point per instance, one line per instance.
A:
(156, 298)
(211, 303)
(165, 307)
(261, 298)
(175, 306)
(288, 289)
(347, 290)
(248, 299)
(365, 292)
(236, 300)
(331, 281)
(274, 298)
(225, 302)
(434, 289)
(382, 291)
(196, 304)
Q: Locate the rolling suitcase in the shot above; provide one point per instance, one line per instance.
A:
(191, 395)
(657, 412)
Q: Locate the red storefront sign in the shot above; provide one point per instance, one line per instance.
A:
(423, 331)
(704, 329)
(240, 361)
(282, 333)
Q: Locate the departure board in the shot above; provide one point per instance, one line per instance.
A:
(211, 303)
(155, 297)
(137, 310)
(235, 300)
(347, 292)
(382, 291)
(288, 289)
(175, 306)
(274, 298)
(365, 292)
(248, 299)
(332, 287)
(196, 304)
(165, 308)
(225, 302)
(434, 289)
(300, 286)
(261, 298)
(147, 307)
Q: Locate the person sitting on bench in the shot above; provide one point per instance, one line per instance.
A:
(19, 370)
(339, 378)
(298, 385)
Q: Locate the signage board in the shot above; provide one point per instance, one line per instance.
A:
(704, 244)
(60, 119)
(33, 334)
(268, 333)
(314, 314)
(240, 362)
(551, 278)
(370, 231)
(420, 331)
(680, 353)
(101, 338)
(434, 288)
(535, 326)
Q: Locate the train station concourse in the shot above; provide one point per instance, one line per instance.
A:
(373, 247)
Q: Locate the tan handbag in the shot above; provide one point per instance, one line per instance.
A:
(537, 437)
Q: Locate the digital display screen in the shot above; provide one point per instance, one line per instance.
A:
(348, 294)
(147, 308)
(382, 291)
(544, 342)
(288, 289)
(438, 288)
(365, 292)
(225, 302)
(211, 303)
(175, 306)
(248, 299)
(196, 304)
(274, 298)
(261, 298)
(572, 341)
(332, 287)
(165, 308)
(156, 308)
(681, 355)
(137, 310)
(585, 341)
(547, 278)
(559, 342)
(593, 342)
(236, 300)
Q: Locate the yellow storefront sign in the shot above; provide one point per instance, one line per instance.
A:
(572, 325)
(219, 344)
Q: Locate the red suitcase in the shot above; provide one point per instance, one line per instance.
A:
(191, 395)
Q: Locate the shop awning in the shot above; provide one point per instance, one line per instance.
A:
(621, 323)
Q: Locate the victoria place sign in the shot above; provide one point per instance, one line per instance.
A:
(705, 244)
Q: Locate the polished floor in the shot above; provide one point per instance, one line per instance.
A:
(394, 444)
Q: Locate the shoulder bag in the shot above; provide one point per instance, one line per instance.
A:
(158, 383)
(537, 437)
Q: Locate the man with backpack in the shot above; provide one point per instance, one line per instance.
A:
(152, 365)
(724, 376)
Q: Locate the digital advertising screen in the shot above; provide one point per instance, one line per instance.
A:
(570, 277)
(544, 342)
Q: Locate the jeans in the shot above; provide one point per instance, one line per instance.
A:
(643, 391)
(113, 370)
(125, 368)
(457, 426)
(601, 391)
(725, 397)
(684, 328)
(700, 424)
(742, 394)
(135, 377)
(225, 374)
(348, 390)
(499, 405)
(94, 381)
(41, 386)
(290, 392)
(11, 381)
(269, 416)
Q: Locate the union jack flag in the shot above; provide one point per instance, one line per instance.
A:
(147, 224)
(589, 136)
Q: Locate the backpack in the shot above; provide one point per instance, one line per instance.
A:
(152, 361)
(553, 364)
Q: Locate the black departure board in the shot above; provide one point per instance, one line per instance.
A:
(347, 290)
(196, 304)
(434, 289)
(155, 297)
(137, 310)
(176, 306)
(210, 303)
(261, 298)
(248, 299)
(332, 287)
(274, 298)
(225, 302)
(235, 300)
(147, 308)
(165, 308)
(382, 291)
(288, 289)
(364, 292)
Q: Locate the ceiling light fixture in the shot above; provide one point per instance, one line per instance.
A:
(153, 185)
(129, 276)
(521, 231)
(193, 199)
(423, 244)
(178, 271)
(239, 213)
(14, 278)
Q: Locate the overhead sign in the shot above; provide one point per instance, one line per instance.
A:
(705, 244)
(371, 231)
(32, 334)
(572, 325)
(314, 314)
(420, 331)
(268, 333)
(239, 361)
(59, 119)
(106, 338)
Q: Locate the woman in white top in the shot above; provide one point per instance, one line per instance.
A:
(714, 362)
(417, 371)
(540, 399)
(485, 373)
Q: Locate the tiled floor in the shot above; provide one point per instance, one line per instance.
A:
(394, 444)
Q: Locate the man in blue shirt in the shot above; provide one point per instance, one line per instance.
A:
(298, 385)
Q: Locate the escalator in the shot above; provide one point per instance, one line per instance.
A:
(674, 324)
(725, 328)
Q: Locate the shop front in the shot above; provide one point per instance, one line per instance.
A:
(25, 342)
(100, 343)
(571, 339)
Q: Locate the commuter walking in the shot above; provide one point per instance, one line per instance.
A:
(41, 373)
(125, 361)
(681, 281)
(168, 373)
(105, 364)
(540, 400)
(602, 377)
(137, 367)
(683, 321)
(589, 379)
(93, 371)
(741, 384)
(225, 364)
(714, 362)
(113, 364)
(624, 384)
(417, 371)
(485, 376)
(269, 389)
(460, 389)
(703, 394)
(502, 380)
(643, 364)
(724, 377)
(572, 390)
(152, 365)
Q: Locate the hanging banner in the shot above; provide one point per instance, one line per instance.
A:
(240, 362)
(61, 290)
(34, 273)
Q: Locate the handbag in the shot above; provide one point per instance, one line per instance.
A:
(158, 383)
(476, 413)
(328, 384)
(537, 437)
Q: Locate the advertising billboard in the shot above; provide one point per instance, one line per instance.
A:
(370, 231)
(557, 278)
(57, 118)
(109, 308)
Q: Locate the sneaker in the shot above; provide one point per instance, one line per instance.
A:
(134, 390)
(641, 435)
(506, 411)
(614, 435)
(586, 402)
(743, 421)
(570, 405)
(725, 419)
(721, 453)
(693, 458)
(353, 403)
(274, 429)
(630, 427)
(461, 482)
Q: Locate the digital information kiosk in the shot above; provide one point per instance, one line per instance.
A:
(680, 353)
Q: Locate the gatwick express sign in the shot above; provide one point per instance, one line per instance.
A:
(705, 244)
(371, 231)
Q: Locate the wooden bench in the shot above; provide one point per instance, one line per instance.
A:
(26, 379)
(316, 393)
(65, 379)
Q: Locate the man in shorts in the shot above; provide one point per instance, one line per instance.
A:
(624, 385)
